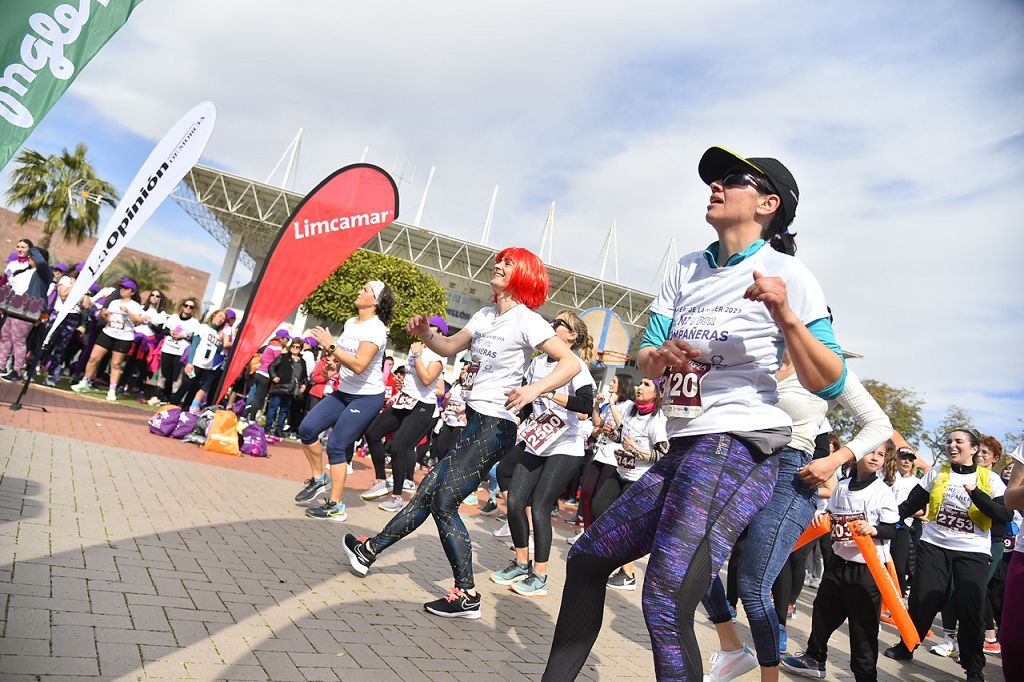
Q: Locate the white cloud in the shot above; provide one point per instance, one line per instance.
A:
(894, 125)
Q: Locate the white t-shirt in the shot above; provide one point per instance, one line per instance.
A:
(901, 488)
(454, 413)
(875, 504)
(66, 281)
(412, 386)
(189, 327)
(646, 431)
(501, 349)
(19, 275)
(207, 355)
(371, 381)
(119, 325)
(738, 340)
(572, 440)
(952, 528)
(605, 449)
(156, 319)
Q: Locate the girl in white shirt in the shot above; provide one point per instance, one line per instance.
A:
(120, 315)
(136, 366)
(357, 399)
(549, 455)
(179, 330)
(963, 501)
(502, 340)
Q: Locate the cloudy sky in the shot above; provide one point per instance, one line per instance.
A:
(902, 125)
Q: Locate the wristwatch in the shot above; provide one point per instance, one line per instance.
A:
(331, 348)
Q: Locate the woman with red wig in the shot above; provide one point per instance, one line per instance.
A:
(502, 339)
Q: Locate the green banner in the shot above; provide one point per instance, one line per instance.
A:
(43, 46)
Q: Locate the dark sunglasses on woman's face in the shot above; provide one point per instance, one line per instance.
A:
(155, 296)
(556, 323)
(188, 306)
(742, 179)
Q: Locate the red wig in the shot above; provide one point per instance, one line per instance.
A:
(529, 281)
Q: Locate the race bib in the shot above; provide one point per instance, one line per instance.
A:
(680, 390)
(1009, 543)
(542, 431)
(625, 460)
(471, 371)
(954, 519)
(116, 321)
(404, 401)
(840, 531)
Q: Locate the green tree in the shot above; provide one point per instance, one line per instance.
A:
(1011, 440)
(956, 418)
(148, 274)
(415, 292)
(63, 189)
(902, 405)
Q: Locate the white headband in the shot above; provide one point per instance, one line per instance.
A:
(377, 288)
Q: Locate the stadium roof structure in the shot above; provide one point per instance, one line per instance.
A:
(228, 205)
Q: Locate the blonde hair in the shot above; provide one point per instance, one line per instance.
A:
(584, 342)
(890, 470)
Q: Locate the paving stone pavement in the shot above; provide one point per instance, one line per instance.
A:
(119, 563)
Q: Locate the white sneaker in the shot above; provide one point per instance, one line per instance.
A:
(503, 532)
(947, 648)
(728, 665)
(82, 386)
(350, 469)
(112, 395)
(378, 489)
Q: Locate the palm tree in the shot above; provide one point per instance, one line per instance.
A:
(63, 189)
(148, 274)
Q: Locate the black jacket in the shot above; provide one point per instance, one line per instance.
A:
(291, 372)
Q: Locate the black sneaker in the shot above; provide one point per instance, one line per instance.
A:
(898, 652)
(620, 581)
(359, 555)
(313, 488)
(455, 604)
(489, 508)
(805, 666)
(330, 510)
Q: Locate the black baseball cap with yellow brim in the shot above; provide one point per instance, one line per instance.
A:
(717, 161)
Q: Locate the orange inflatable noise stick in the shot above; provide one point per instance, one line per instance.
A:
(889, 589)
(819, 526)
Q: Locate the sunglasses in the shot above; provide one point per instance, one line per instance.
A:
(156, 295)
(744, 179)
(188, 305)
(555, 324)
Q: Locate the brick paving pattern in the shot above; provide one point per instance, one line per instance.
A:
(125, 555)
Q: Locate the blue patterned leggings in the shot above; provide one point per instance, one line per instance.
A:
(482, 443)
(686, 512)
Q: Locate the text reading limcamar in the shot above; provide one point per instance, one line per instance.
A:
(315, 228)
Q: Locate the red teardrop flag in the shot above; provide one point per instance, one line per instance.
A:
(345, 211)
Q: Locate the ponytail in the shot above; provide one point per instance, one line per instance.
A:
(584, 342)
(778, 236)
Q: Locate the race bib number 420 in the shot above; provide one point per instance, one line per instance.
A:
(542, 431)
(680, 390)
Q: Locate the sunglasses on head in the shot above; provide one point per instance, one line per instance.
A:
(556, 323)
(740, 178)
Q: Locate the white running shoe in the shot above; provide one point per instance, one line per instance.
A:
(947, 648)
(82, 386)
(351, 470)
(112, 395)
(378, 489)
(728, 665)
(503, 532)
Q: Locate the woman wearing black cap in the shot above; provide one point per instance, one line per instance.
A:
(714, 338)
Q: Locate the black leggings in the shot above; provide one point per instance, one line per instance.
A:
(446, 438)
(442, 491)
(260, 387)
(189, 387)
(787, 586)
(536, 483)
(409, 426)
(507, 466)
(170, 369)
(609, 489)
(900, 550)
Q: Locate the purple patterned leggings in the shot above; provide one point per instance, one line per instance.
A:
(686, 512)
